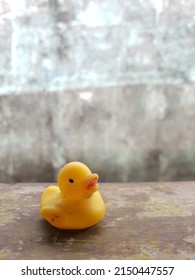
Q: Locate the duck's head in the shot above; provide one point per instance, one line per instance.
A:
(76, 181)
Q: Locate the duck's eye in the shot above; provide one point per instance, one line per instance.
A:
(71, 180)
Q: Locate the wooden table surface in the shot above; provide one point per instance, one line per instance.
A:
(143, 221)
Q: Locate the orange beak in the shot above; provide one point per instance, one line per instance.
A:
(92, 182)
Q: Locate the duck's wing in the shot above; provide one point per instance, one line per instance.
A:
(49, 196)
(49, 206)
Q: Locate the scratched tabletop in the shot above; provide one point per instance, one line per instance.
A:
(142, 221)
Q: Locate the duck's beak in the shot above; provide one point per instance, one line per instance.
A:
(92, 182)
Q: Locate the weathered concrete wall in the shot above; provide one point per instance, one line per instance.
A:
(110, 83)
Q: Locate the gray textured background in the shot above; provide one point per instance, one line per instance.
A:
(109, 82)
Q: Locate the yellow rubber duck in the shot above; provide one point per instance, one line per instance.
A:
(76, 203)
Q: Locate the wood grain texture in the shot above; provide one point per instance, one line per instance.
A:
(143, 221)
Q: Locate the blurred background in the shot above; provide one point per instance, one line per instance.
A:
(110, 83)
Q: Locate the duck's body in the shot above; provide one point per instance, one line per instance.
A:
(76, 203)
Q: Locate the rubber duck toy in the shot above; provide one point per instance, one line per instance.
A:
(76, 203)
